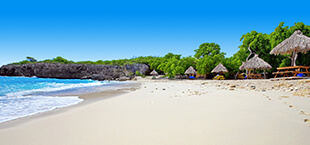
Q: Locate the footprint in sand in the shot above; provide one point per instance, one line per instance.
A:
(284, 97)
(291, 106)
(304, 113)
(268, 97)
(307, 121)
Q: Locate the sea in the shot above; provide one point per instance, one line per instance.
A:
(24, 96)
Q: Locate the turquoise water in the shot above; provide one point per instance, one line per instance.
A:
(21, 96)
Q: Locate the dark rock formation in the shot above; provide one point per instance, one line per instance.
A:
(142, 68)
(74, 71)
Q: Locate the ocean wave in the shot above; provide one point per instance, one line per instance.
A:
(52, 87)
(21, 96)
(24, 106)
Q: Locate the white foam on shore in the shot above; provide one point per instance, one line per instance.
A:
(51, 87)
(18, 99)
(23, 106)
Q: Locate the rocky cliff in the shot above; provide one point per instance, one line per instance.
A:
(74, 71)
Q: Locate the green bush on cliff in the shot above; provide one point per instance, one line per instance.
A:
(139, 74)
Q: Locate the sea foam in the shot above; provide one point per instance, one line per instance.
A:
(21, 96)
(22, 106)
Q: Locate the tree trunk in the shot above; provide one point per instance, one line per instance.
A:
(294, 58)
(247, 59)
(236, 76)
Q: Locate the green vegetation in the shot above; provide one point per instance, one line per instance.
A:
(31, 59)
(173, 64)
(208, 55)
(262, 44)
(140, 74)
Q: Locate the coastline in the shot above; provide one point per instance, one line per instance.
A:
(88, 98)
(174, 112)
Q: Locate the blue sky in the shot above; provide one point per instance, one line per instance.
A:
(99, 30)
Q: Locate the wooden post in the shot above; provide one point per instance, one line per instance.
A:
(264, 74)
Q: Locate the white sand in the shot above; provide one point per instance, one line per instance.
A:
(184, 113)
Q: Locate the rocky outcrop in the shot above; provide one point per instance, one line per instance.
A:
(74, 71)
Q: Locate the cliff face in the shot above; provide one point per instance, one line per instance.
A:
(73, 71)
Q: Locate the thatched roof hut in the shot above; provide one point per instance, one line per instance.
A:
(190, 71)
(255, 63)
(296, 43)
(219, 68)
(154, 73)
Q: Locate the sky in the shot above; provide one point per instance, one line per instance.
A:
(107, 30)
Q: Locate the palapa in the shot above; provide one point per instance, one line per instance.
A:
(219, 68)
(190, 70)
(255, 63)
(154, 73)
(296, 43)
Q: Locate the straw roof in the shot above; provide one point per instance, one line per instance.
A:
(296, 42)
(255, 63)
(190, 70)
(219, 68)
(154, 72)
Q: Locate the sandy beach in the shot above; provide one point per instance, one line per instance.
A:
(176, 112)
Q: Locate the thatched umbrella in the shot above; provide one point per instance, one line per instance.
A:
(255, 63)
(296, 43)
(190, 71)
(154, 73)
(219, 68)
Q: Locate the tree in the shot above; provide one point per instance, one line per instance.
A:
(31, 59)
(206, 49)
(207, 63)
(259, 43)
(281, 33)
(59, 59)
(171, 55)
(172, 64)
(209, 55)
(155, 62)
(169, 63)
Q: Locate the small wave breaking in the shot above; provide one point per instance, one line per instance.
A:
(21, 96)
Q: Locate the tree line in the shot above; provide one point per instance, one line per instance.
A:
(208, 55)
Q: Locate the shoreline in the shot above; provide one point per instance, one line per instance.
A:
(88, 98)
